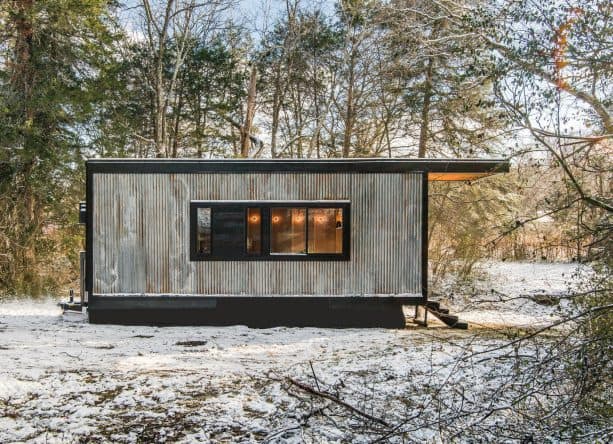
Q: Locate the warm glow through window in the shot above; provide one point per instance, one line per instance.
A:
(288, 231)
(269, 230)
(325, 230)
(254, 231)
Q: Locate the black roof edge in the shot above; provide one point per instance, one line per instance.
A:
(358, 165)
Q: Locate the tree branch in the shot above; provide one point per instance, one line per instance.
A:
(333, 398)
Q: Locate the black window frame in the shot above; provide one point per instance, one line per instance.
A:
(265, 207)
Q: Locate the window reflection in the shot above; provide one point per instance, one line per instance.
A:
(239, 231)
(254, 230)
(288, 230)
(325, 230)
(203, 236)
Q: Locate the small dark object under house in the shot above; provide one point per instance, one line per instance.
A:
(338, 243)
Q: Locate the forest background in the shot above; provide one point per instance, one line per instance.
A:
(525, 80)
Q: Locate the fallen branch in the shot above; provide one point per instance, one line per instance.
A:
(335, 399)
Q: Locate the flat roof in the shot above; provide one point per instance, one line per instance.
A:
(437, 169)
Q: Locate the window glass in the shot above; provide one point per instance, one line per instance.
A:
(254, 231)
(263, 230)
(288, 230)
(325, 230)
(228, 231)
(203, 236)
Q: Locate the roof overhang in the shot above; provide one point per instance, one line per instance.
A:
(447, 176)
(437, 169)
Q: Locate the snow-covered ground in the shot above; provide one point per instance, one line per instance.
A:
(504, 294)
(64, 380)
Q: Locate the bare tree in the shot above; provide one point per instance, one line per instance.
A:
(556, 88)
(249, 113)
(180, 23)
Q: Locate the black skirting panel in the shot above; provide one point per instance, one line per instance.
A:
(265, 312)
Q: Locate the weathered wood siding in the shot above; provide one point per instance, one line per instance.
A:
(141, 235)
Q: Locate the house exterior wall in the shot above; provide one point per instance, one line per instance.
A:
(140, 235)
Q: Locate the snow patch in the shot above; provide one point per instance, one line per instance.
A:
(74, 381)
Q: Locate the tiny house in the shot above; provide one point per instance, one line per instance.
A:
(334, 242)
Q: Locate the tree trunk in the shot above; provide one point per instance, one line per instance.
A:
(199, 127)
(21, 72)
(177, 126)
(276, 109)
(27, 226)
(249, 115)
(315, 140)
(349, 112)
(160, 121)
(425, 111)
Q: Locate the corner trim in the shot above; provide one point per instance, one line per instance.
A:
(89, 232)
(424, 237)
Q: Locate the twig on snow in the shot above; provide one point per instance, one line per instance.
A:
(314, 376)
(335, 399)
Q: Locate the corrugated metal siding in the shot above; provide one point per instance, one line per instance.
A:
(141, 235)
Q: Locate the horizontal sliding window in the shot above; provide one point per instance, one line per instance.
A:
(269, 230)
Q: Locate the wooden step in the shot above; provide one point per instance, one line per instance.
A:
(435, 305)
(450, 320)
(71, 306)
